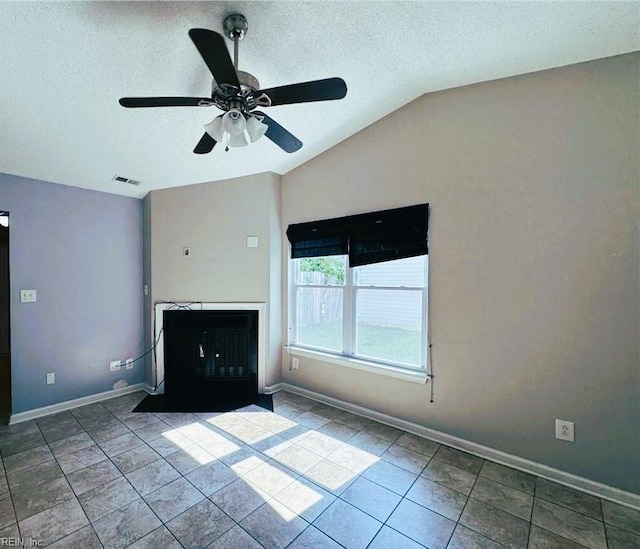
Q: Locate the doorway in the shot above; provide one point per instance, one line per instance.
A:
(5, 334)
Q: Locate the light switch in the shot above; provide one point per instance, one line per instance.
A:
(28, 296)
(51, 378)
(252, 242)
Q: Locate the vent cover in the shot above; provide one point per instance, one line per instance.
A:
(126, 180)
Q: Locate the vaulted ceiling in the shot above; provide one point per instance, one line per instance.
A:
(65, 65)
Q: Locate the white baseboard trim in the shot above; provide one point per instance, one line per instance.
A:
(76, 402)
(573, 481)
(270, 389)
(148, 389)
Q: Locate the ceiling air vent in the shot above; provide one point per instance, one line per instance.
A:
(126, 180)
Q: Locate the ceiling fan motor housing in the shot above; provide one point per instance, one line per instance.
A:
(227, 97)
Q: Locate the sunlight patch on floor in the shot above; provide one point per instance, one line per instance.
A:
(320, 460)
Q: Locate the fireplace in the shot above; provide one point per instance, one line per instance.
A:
(210, 353)
(209, 348)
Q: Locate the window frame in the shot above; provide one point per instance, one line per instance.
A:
(347, 355)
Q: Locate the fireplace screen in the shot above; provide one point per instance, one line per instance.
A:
(209, 350)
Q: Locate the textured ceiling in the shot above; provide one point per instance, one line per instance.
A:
(63, 67)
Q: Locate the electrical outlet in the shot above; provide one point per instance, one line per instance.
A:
(28, 296)
(295, 363)
(128, 364)
(51, 378)
(115, 365)
(564, 430)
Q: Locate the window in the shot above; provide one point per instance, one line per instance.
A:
(376, 313)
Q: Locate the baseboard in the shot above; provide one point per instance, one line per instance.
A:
(573, 481)
(76, 402)
(270, 389)
(148, 389)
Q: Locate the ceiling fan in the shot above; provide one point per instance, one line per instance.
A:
(238, 94)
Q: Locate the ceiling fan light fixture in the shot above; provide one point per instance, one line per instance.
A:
(214, 128)
(255, 128)
(237, 140)
(234, 122)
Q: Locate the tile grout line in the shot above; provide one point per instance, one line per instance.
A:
(458, 523)
(533, 503)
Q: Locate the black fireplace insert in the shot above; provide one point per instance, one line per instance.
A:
(210, 354)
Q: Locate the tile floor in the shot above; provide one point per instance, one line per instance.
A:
(306, 476)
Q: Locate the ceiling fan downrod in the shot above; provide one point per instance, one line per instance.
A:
(235, 27)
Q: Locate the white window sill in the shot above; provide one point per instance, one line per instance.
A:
(359, 364)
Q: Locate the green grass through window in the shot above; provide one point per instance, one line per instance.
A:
(378, 342)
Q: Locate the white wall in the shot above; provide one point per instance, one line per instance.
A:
(214, 220)
(533, 184)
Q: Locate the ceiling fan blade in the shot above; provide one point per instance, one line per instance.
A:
(214, 51)
(306, 92)
(281, 137)
(135, 102)
(205, 145)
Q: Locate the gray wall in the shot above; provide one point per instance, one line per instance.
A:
(82, 251)
(533, 183)
(214, 220)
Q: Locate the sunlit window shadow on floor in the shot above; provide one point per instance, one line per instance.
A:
(249, 457)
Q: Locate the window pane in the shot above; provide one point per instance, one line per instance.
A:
(319, 317)
(328, 270)
(389, 325)
(400, 272)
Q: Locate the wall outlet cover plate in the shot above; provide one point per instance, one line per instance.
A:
(28, 296)
(565, 430)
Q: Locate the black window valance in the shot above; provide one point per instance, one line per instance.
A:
(366, 238)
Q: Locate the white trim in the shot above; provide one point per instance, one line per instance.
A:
(75, 403)
(360, 364)
(562, 477)
(161, 306)
(270, 389)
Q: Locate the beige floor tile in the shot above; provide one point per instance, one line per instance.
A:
(273, 525)
(173, 499)
(569, 524)
(347, 525)
(450, 476)
(503, 497)
(438, 498)
(200, 525)
(495, 524)
(421, 525)
(126, 525)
